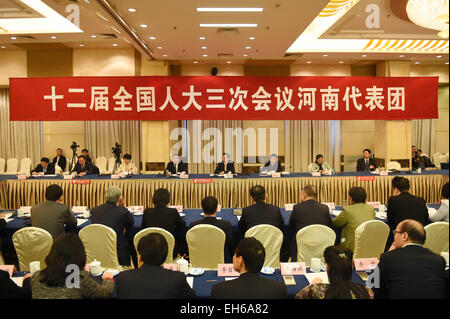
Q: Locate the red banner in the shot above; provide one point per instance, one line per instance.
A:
(225, 98)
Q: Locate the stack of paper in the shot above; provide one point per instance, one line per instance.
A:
(322, 275)
(81, 221)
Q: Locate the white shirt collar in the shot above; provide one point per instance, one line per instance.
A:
(411, 244)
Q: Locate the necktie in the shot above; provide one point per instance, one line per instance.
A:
(367, 164)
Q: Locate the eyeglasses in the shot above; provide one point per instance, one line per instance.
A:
(397, 232)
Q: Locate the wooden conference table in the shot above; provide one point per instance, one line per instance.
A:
(234, 192)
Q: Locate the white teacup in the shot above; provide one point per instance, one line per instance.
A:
(445, 255)
(35, 266)
(316, 264)
(183, 265)
(381, 209)
(95, 268)
(86, 214)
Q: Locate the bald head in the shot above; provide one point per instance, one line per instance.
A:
(414, 231)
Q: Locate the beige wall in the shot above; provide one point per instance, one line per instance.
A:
(442, 123)
(13, 63)
(103, 62)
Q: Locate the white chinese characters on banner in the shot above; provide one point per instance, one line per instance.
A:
(376, 98)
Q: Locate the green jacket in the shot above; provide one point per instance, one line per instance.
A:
(350, 218)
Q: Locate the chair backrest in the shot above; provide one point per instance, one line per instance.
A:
(25, 165)
(437, 237)
(32, 244)
(2, 165)
(58, 169)
(393, 165)
(206, 245)
(68, 161)
(370, 239)
(271, 238)
(111, 162)
(168, 236)
(100, 243)
(12, 166)
(312, 241)
(101, 162)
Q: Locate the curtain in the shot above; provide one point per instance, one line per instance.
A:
(19, 139)
(423, 135)
(101, 137)
(305, 139)
(209, 139)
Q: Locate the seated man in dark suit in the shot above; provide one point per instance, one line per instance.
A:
(52, 215)
(260, 212)
(425, 159)
(308, 212)
(44, 168)
(408, 270)
(166, 218)
(366, 163)
(114, 214)
(273, 165)
(85, 153)
(176, 166)
(59, 159)
(209, 206)
(417, 162)
(84, 167)
(248, 260)
(226, 166)
(151, 281)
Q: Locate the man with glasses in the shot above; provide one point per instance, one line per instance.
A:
(408, 270)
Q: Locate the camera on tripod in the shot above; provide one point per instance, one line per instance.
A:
(74, 146)
(117, 150)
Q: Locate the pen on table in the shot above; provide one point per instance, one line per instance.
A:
(211, 280)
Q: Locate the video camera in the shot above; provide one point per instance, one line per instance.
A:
(117, 150)
(74, 146)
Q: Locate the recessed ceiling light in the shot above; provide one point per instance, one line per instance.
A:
(164, 55)
(248, 48)
(439, 56)
(52, 37)
(93, 36)
(341, 62)
(402, 55)
(230, 9)
(132, 9)
(245, 55)
(205, 55)
(195, 62)
(202, 38)
(152, 38)
(160, 48)
(204, 48)
(325, 55)
(308, 61)
(115, 44)
(252, 38)
(3, 47)
(364, 55)
(13, 38)
(144, 25)
(228, 62)
(446, 62)
(228, 25)
(81, 45)
(417, 62)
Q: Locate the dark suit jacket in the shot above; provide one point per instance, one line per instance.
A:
(88, 159)
(279, 169)
(304, 214)
(249, 286)
(9, 290)
(226, 227)
(89, 168)
(361, 166)
(163, 217)
(54, 217)
(181, 167)
(50, 169)
(406, 206)
(260, 213)
(153, 282)
(417, 162)
(221, 168)
(118, 218)
(411, 272)
(61, 163)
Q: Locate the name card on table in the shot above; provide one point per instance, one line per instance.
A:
(136, 209)
(374, 204)
(228, 176)
(179, 208)
(184, 175)
(115, 176)
(25, 209)
(173, 267)
(10, 269)
(289, 207)
(293, 268)
(384, 173)
(79, 209)
(363, 264)
(331, 206)
(22, 176)
(69, 176)
(315, 174)
(226, 270)
(276, 175)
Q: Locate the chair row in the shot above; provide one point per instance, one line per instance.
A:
(12, 166)
(206, 243)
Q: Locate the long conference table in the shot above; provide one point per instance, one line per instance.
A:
(231, 192)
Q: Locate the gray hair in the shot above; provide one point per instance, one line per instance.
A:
(113, 194)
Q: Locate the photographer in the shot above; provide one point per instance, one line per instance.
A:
(127, 166)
